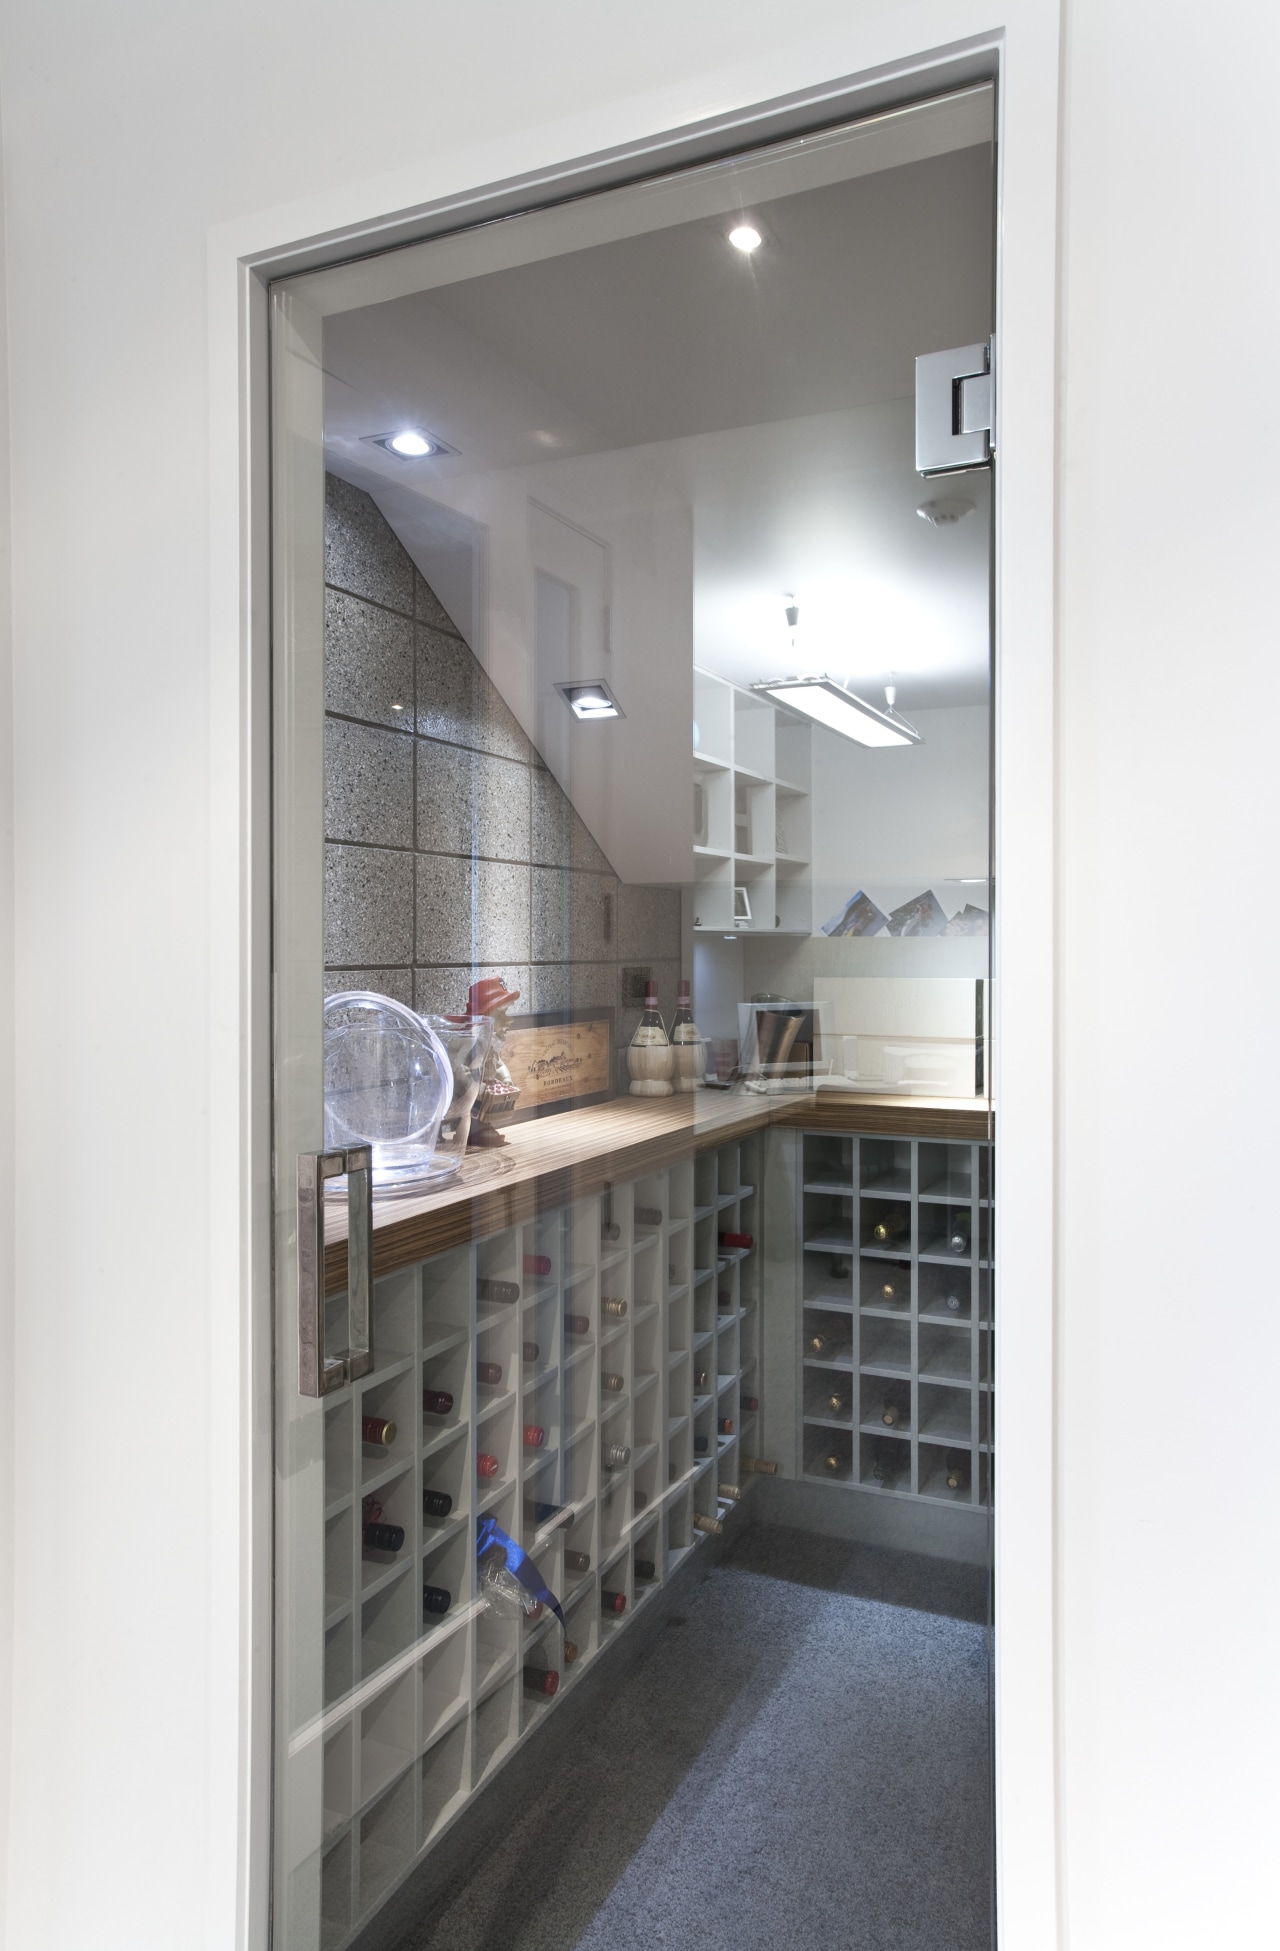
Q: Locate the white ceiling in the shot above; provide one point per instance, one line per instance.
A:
(778, 387)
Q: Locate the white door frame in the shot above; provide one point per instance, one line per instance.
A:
(896, 66)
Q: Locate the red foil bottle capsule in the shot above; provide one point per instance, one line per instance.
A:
(577, 1324)
(377, 1429)
(529, 1351)
(534, 1436)
(725, 1425)
(537, 1263)
(736, 1240)
(488, 1372)
(437, 1402)
(613, 1601)
(486, 1465)
(540, 1680)
(750, 1404)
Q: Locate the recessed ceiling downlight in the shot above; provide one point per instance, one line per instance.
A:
(745, 237)
(410, 443)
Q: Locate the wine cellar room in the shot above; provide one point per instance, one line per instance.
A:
(633, 692)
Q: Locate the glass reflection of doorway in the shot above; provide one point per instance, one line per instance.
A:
(643, 1574)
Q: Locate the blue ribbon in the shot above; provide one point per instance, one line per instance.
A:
(490, 1533)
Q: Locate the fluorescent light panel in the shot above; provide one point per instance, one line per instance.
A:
(821, 698)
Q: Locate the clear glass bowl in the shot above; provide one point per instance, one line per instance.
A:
(387, 1083)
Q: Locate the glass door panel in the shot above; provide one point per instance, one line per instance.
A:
(632, 910)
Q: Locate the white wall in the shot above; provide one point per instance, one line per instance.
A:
(129, 132)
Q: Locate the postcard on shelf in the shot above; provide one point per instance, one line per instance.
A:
(924, 914)
(859, 916)
(560, 1059)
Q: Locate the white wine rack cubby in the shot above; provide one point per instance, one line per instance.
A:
(420, 1710)
(896, 1332)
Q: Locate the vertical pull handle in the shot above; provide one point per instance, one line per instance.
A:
(318, 1373)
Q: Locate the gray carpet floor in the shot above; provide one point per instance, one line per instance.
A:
(796, 1754)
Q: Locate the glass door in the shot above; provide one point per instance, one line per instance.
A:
(634, 1296)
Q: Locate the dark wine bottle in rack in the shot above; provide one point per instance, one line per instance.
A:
(436, 1503)
(613, 1310)
(577, 1561)
(529, 1351)
(436, 1599)
(834, 1462)
(498, 1291)
(648, 1215)
(701, 1445)
(612, 1601)
(957, 1467)
(534, 1436)
(952, 1302)
(378, 1430)
(724, 1299)
(750, 1404)
(437, 1402)
(711, 1525)
(840, 1267)
(577, 1324)
(732, 1491)
(889, 1461)
(725, 1425)
(489, 1372)
(383, 1537)
(757, 1466)
(891, 1413)
(640, 1498)
(700, 1378)
(892, 1293)
(541, 1680)
(611, 1381)
(540, 1514)
(836, 1402)
(615, 1456)
(537, 1263)
(486, 1465)
(890, 1226)
(646, 1570)
(610, 1231)
(736, 1242)
(958, 1234)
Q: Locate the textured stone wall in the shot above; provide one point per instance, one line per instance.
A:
(452, 852)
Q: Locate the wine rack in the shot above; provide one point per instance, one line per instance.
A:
(896, 1348)
(421, 1710)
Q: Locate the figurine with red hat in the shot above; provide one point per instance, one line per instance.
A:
(496, 1101)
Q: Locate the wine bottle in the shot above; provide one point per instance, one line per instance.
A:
(732, 1491)
(534, 1436)
(486, 1465)
(888, 1464)
(489, 1372)
(840, 1267)
(891, 1226)
(953, 1303)
(437, 1402)
(436, 1503)
(833, 1462)
(640, 1498)
(383, 1537)
(648, 1215)
(736, 1242)
(436, 1599)
(957, 1470)
(702, 1444)
(577, 1561)
(377, 1429)
(534, 1613)
(650, 1058)
(612, 1601)
(537, 1263)
(725, 1425)
(539, 1514)
(700, 1378)
(615, 1456)
(958, 1235)
(690, 1051)
(821, 1344)
(757, 1466)
(497, 1290)
(540, 1680)
(724, 1299)
(529, 1351)
(611, 1381)
(836, 1403)
(646, 1569)
(750, 1404)
(613, 1310)
(890, 1412)
(577, 1324)
(569, 1651)
(888, 1292)
(711, 1525)
(609, 1232)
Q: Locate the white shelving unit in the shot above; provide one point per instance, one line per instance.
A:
(421, 1710)
(753, 825)
(906, 1321)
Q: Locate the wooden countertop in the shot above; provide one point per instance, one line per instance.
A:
(550, 1161)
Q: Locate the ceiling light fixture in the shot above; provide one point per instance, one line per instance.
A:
(591, 700)
(411, 444)
(945, 513)
(835, 706)
(746, 238)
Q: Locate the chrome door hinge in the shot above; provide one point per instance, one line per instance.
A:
(956, 408)
(319, 1372)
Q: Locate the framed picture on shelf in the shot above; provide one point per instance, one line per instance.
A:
(560, 1059)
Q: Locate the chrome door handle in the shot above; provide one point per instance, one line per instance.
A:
(319, 1374)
